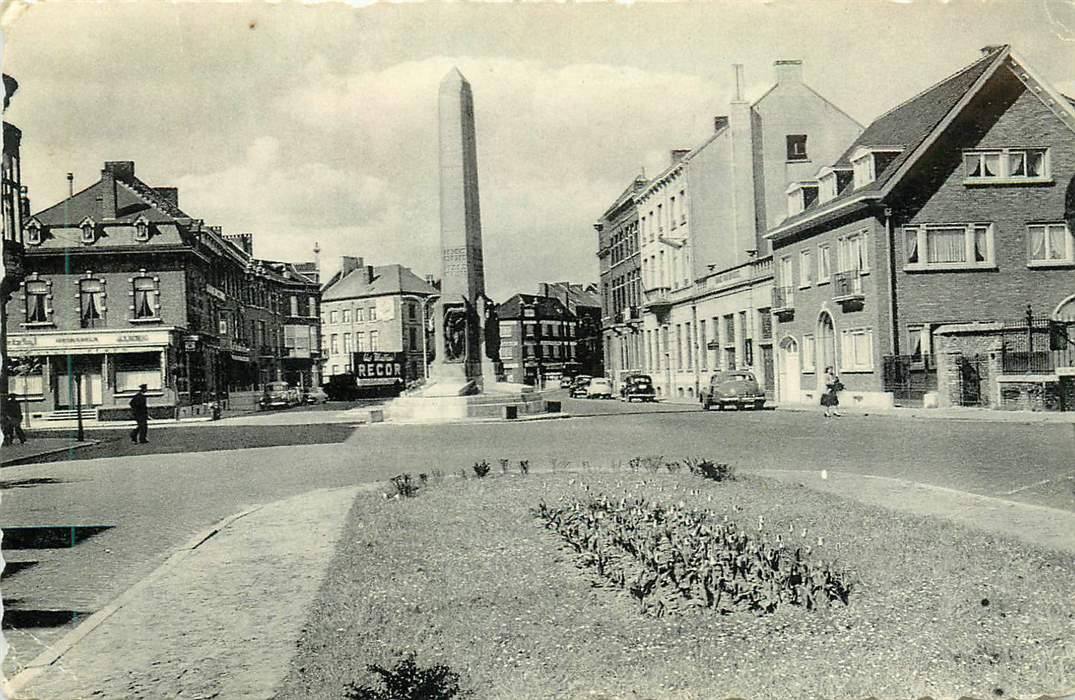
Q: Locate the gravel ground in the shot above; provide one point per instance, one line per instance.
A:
(465, 575)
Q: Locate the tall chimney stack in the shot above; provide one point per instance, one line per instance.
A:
(788, 72)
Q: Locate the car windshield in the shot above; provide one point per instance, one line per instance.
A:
(735, 377)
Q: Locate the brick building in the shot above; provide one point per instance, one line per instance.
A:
(122, 287)
(538, 337)
(15, 206)
(909, 262)
(380, 308)
(621, 283)
(583, 303)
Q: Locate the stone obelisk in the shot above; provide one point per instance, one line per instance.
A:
(461, 365)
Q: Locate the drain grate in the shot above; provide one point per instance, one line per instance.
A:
(50, 536)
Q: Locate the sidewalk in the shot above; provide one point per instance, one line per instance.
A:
(220, 618)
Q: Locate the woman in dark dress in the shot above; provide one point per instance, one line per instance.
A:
(830, 399)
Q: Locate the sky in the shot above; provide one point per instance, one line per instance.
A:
(303, 123)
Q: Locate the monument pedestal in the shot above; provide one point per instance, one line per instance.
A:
(433, 405)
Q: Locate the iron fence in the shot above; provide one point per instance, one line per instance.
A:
(1037, 346)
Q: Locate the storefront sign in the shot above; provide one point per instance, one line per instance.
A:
(378, 368)
(214, 292)
(87, 342)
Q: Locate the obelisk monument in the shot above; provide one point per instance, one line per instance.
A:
(462, 365)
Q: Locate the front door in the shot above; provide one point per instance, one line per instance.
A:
(767, 369)
(790, 373)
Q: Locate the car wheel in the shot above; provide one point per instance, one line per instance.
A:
(758, 405)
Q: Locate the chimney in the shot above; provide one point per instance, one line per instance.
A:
(720, 122)
(788, 72)
(120, 169)
(169, 194)
(431, 280)
(349, 264)
(368, 273)
(738, 68)
(679, 154)
(106, 194)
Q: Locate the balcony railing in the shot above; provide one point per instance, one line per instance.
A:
(783, 300)
(658, 297)
(847, 285)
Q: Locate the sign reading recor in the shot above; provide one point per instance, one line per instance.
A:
(374, 368)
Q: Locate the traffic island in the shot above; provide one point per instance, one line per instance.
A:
(471, 574)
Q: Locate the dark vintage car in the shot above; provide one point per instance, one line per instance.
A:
(637, 387)
(581, 386)
(735, 388)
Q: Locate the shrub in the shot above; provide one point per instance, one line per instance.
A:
(405, 485)
(708, 469)
(524, 466)
(481, 468)
(651, 463)
(671, 556)
(504, 465)
(407, 681)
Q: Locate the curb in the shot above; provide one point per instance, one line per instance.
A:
(23, 460)
(46, 658)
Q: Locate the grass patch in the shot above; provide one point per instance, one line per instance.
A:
(466, 577)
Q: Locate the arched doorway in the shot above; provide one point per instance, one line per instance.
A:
(826, 346)
(790, 372)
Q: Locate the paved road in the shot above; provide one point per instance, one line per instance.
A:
(155, 503)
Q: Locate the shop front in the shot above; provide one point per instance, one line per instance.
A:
(99, 370)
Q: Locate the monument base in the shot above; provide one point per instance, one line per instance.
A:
(435, 404)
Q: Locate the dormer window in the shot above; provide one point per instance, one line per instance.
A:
(800, 196)
(866, 163)
(141, 229)
(33, 232)
(1006, 165)
(89, 231)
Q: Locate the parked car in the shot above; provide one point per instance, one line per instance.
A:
(579, 388)
(599, 388)
(566, 382)
(279, 395)
(735, 388)
(315, 395)
(638, 387)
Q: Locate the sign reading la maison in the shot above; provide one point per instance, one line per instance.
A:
(87, 342)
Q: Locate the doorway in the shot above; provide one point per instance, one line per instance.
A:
(89, 369)
(790, 373)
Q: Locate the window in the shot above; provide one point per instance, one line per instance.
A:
(335, 369)
(134, 369)
(374, 340)
(853, 253)
(919, 342)
(824, 264)
(141, 229)
(828, 186)
(413, 338)
(787, 276)
(806, 268)
(37, 292)
(856, 350)
(682, 206)
(808, 353)
(222, 326)
(33, 232)
(294, 306)
(144, 290)
(1050, 244)
(690, 347)
(346, 316)
(373, 313)
(412, 312)
(360, 341)
(703, 350)
(948, 246)
(863, 170)
(89, 231)
(91, 298)
(334, 345)
(796, 147)
(347, 342)
(333, 317)
(1006, 165)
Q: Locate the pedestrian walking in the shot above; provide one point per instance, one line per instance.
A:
(140, 413)
(831, 399)
(12, 420)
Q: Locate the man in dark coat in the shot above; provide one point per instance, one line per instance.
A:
(12, 417)
(140, 413)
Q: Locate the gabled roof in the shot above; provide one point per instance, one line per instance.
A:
(911, 126)
(385, 280)
(544, 307)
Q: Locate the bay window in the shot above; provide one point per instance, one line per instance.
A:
(948, 246)
(1050, 244)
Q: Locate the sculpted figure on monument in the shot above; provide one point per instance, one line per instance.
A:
(455, 334)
